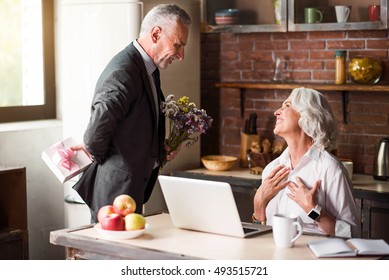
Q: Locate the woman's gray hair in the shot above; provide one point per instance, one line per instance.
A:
(316, 117)
(165, 16)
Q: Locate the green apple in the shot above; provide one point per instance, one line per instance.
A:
(134, 221)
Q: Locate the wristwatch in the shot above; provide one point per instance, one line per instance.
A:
(315, 213)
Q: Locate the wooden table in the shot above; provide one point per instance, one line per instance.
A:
(163, 241)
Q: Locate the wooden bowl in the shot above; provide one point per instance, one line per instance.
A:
(219, 162)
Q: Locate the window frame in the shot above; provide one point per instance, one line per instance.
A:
(48, 109)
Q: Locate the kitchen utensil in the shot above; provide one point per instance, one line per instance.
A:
(342, 13)
(340, 67)
(218, 162)
(277, 11)
(365, 70)
(348, 163)
(374, 12)
(381, 160)
(253, 123)
(286, 230)
(260, 159)
(250, 126)
(119, 234)
(313, 15)
(225, 17)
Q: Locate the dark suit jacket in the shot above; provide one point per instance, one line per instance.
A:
(122, 134)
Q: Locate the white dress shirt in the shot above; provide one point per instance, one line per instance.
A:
(335, 194)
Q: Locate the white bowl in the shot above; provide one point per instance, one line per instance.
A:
(120, 234)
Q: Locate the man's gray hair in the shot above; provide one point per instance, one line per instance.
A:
(316, 117)
(165, 16)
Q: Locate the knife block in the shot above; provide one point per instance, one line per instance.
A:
(245, 144)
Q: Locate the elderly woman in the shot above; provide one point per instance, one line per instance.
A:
(306, 181)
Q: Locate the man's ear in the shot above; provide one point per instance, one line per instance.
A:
(155, 33)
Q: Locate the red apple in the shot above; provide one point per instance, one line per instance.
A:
(112, 221)
(124, 205)
(134, 221)
(105, 211)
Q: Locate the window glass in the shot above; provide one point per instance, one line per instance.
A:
(21, 55)
(27, 86)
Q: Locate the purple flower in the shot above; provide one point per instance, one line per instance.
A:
(186, 122)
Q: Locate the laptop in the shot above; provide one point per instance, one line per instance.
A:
(206, 206)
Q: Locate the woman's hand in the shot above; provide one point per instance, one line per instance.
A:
(304, 197)
(307, 200)
(268, 189)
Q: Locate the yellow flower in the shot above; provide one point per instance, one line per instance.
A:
(183, 100)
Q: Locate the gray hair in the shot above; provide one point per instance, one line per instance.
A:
(165, 16)
(316, 117)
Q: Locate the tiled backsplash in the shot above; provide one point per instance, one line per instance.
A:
(309, 56)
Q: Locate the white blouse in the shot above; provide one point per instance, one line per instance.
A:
(335, 194)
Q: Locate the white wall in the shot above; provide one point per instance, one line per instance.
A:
(21, 146)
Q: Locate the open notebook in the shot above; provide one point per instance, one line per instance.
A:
(206, 206)
(337, 247)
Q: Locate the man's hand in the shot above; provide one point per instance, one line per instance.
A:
(170, 155)
(81, 146)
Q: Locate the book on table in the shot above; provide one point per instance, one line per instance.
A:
(337, 247)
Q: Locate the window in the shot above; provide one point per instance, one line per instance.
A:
(27, 77)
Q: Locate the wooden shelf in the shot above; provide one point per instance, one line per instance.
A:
(344, 89)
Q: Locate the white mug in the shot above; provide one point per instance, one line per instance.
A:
(342, 13)
(286, 230)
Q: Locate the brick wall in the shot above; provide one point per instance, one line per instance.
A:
(309, 57)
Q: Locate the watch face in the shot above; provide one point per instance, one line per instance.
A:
(313, 215)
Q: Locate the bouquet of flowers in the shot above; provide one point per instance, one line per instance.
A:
(186, 122)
